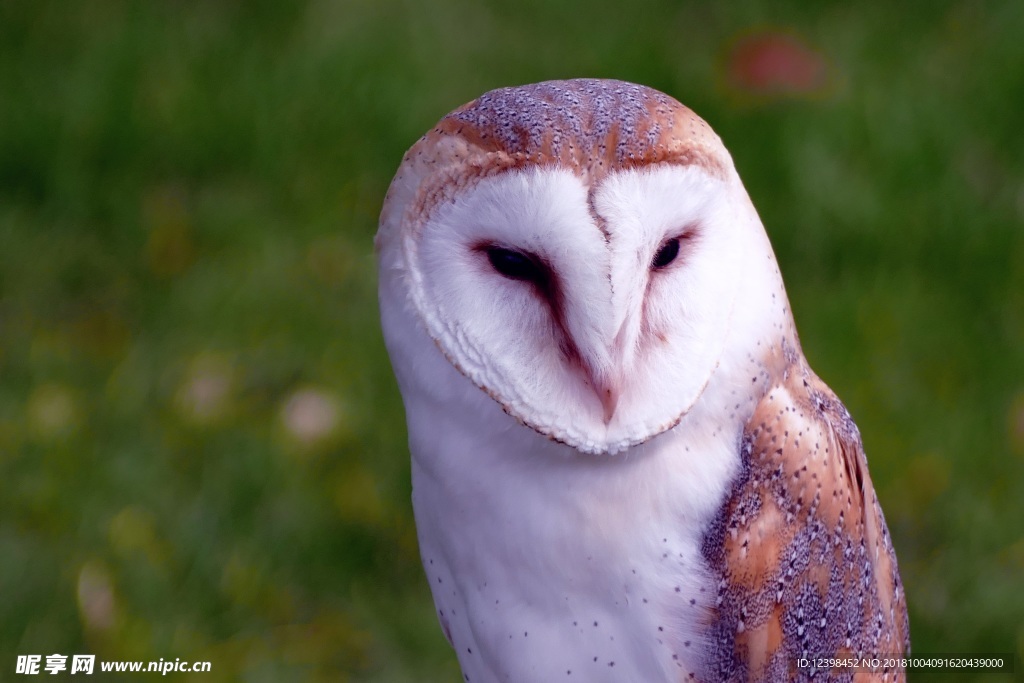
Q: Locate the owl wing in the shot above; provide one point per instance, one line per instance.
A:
(804, 557)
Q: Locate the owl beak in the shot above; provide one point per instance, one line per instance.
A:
(607, 389)
(606, 375)
(609, 401)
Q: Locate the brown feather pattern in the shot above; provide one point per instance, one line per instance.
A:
(804, 557)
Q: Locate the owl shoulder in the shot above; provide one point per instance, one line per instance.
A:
(803, 558)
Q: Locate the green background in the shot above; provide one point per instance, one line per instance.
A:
(202, 449)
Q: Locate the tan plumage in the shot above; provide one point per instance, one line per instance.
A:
(807, 566)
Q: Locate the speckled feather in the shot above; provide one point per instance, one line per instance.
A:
(592, 126)
(806, 565)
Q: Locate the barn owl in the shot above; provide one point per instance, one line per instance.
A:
(623, 468)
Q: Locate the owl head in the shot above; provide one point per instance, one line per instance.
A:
(584, 253)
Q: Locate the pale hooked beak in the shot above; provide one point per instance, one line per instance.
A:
(605, 365)
(606, 377)
(609, 396)
(607, 388)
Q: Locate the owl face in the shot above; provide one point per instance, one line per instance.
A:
(587, 285)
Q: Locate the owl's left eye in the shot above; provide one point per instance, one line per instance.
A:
(516, 265)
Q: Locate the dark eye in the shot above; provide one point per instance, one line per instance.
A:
(515, 265)
(666, 255)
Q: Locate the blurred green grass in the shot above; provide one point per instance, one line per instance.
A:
(202, 451)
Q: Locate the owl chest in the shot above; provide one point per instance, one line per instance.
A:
(594, 574)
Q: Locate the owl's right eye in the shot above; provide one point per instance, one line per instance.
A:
(515, 265)
(666, 255)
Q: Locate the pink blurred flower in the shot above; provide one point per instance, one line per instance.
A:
(311, 415)
(775, 63)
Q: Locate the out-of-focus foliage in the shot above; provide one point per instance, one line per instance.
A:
(202, 451)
